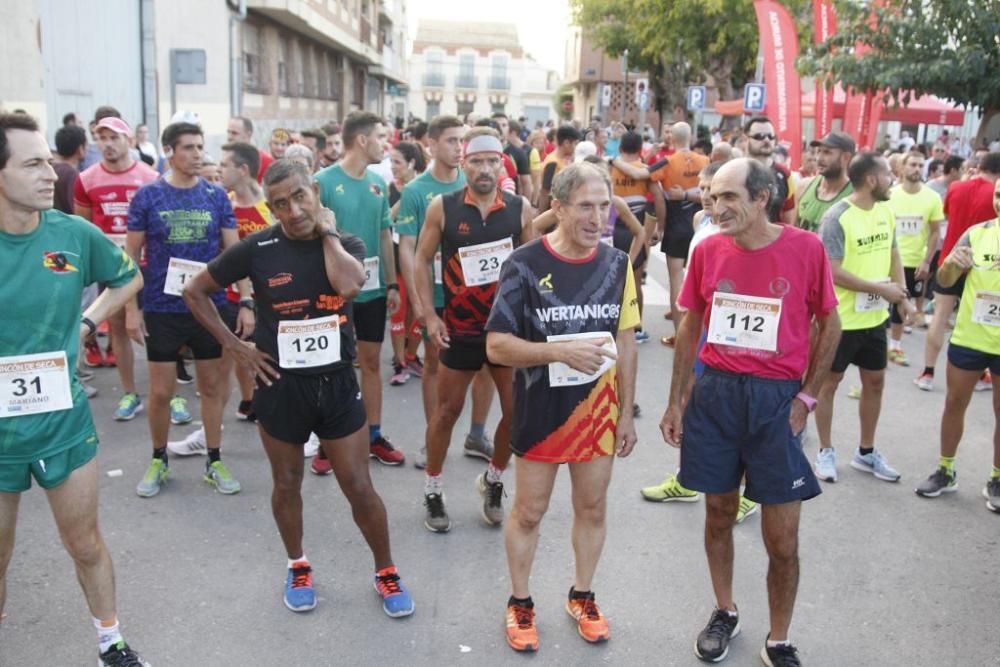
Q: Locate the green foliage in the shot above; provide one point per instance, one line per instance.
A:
(948, 48)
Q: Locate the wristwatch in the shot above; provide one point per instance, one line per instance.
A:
(808, 400)
(249, 304)
(334, 233)
(89, 323)
(394, 286)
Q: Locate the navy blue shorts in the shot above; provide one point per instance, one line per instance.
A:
(736, 424)
(967, 359)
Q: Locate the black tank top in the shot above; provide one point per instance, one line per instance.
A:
(466, 248)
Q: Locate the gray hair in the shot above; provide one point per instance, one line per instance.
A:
(301, 151)
(682, 133)
(284, 169)
(759, 179)
(575, 176)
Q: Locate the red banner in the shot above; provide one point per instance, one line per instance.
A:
(780, 45)
(824, 27)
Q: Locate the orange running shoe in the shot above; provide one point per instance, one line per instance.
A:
(590, 621)
(522, 635)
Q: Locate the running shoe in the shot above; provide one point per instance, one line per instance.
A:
(92, 355)
(382, 451)
(875, 464)
(420, 460)
(311, 447)
(636, 411)
(907, 329)
(218, 475)
(898, 357)
(415, 367)
(992, 494)
(782, 655)
(941, 481)
(925, 382)
(985, 382)
(83, 374)
(492, 495)
(747, 508)
(110, 360)
(193, 445)
(522, 635)
(713, 642)
(668, 341)
(128, 407)
(399, 375)
(179, 411)
(121, 655)
(855, 393)
(826, 464)
(300, 595)
(244, 412)
(478, 447)
(396, 600)
(668, 491)
(90, 390)
(436, 520)
(590, 622)
(155, 477)
(321, 466)
(183, 377)
(641, 336)
(920, 321)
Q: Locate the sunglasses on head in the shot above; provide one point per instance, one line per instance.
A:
(760, 136)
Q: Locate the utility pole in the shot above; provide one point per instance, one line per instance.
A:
(625, 92)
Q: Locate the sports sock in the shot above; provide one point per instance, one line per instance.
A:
(521, 602)
(493, 473)
(996, 473)
(579, 595)
(107, 635)
(929, 370)
(477, 431)
(895, 344)
(214, 455)
(160, 453)
(293, 561)
(865, 451)
(774, 644)
(374, 432)
(433, 484)
(948, 463)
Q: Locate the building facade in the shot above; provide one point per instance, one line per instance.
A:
(460, 68)
(281, 63)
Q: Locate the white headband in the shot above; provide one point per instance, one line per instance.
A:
(484, 143)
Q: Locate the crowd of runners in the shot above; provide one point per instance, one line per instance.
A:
(505, 264)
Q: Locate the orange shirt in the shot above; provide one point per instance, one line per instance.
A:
(682, 169)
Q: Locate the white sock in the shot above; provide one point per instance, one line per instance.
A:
(783, 642)
(292, 561)
(895, 344)
(433, 484)
(493, 474)
(107, 637)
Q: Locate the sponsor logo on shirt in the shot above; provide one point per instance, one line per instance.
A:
(463, 228)
(587, 312)
(330, 302)
(279, 279)
(339, 189)
(261, 244)
(872, 238)
(375, 189)
(111, 196)
(57, 262)
(546, 282)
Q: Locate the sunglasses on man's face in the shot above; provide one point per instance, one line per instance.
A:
(760, 136)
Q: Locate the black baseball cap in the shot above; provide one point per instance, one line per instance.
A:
(838, 140)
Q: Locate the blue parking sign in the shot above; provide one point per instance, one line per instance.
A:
(696, 98)
(754, 98)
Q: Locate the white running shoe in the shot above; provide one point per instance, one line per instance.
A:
(312, 446)
(193, 445)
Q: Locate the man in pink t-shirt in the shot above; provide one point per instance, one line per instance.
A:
(763, 293)
(102, 195)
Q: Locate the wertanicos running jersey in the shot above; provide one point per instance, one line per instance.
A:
(543, 294)
(472, 252)
(291, 288)
(44, 274)
(977, 325)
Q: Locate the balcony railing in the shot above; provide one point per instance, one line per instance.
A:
(468, 81)
(433, 79)
(499, 82)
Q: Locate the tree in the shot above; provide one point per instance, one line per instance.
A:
(948, 48)
(679, 42)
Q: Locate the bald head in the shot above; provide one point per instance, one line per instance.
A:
(722, 152)
(682, 135)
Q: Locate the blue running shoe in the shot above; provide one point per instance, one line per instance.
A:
(179, 410)
(299, 592)
(641, 337)
(128, 407)
(396, 600)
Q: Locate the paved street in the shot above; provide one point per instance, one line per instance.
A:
(887, 577)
